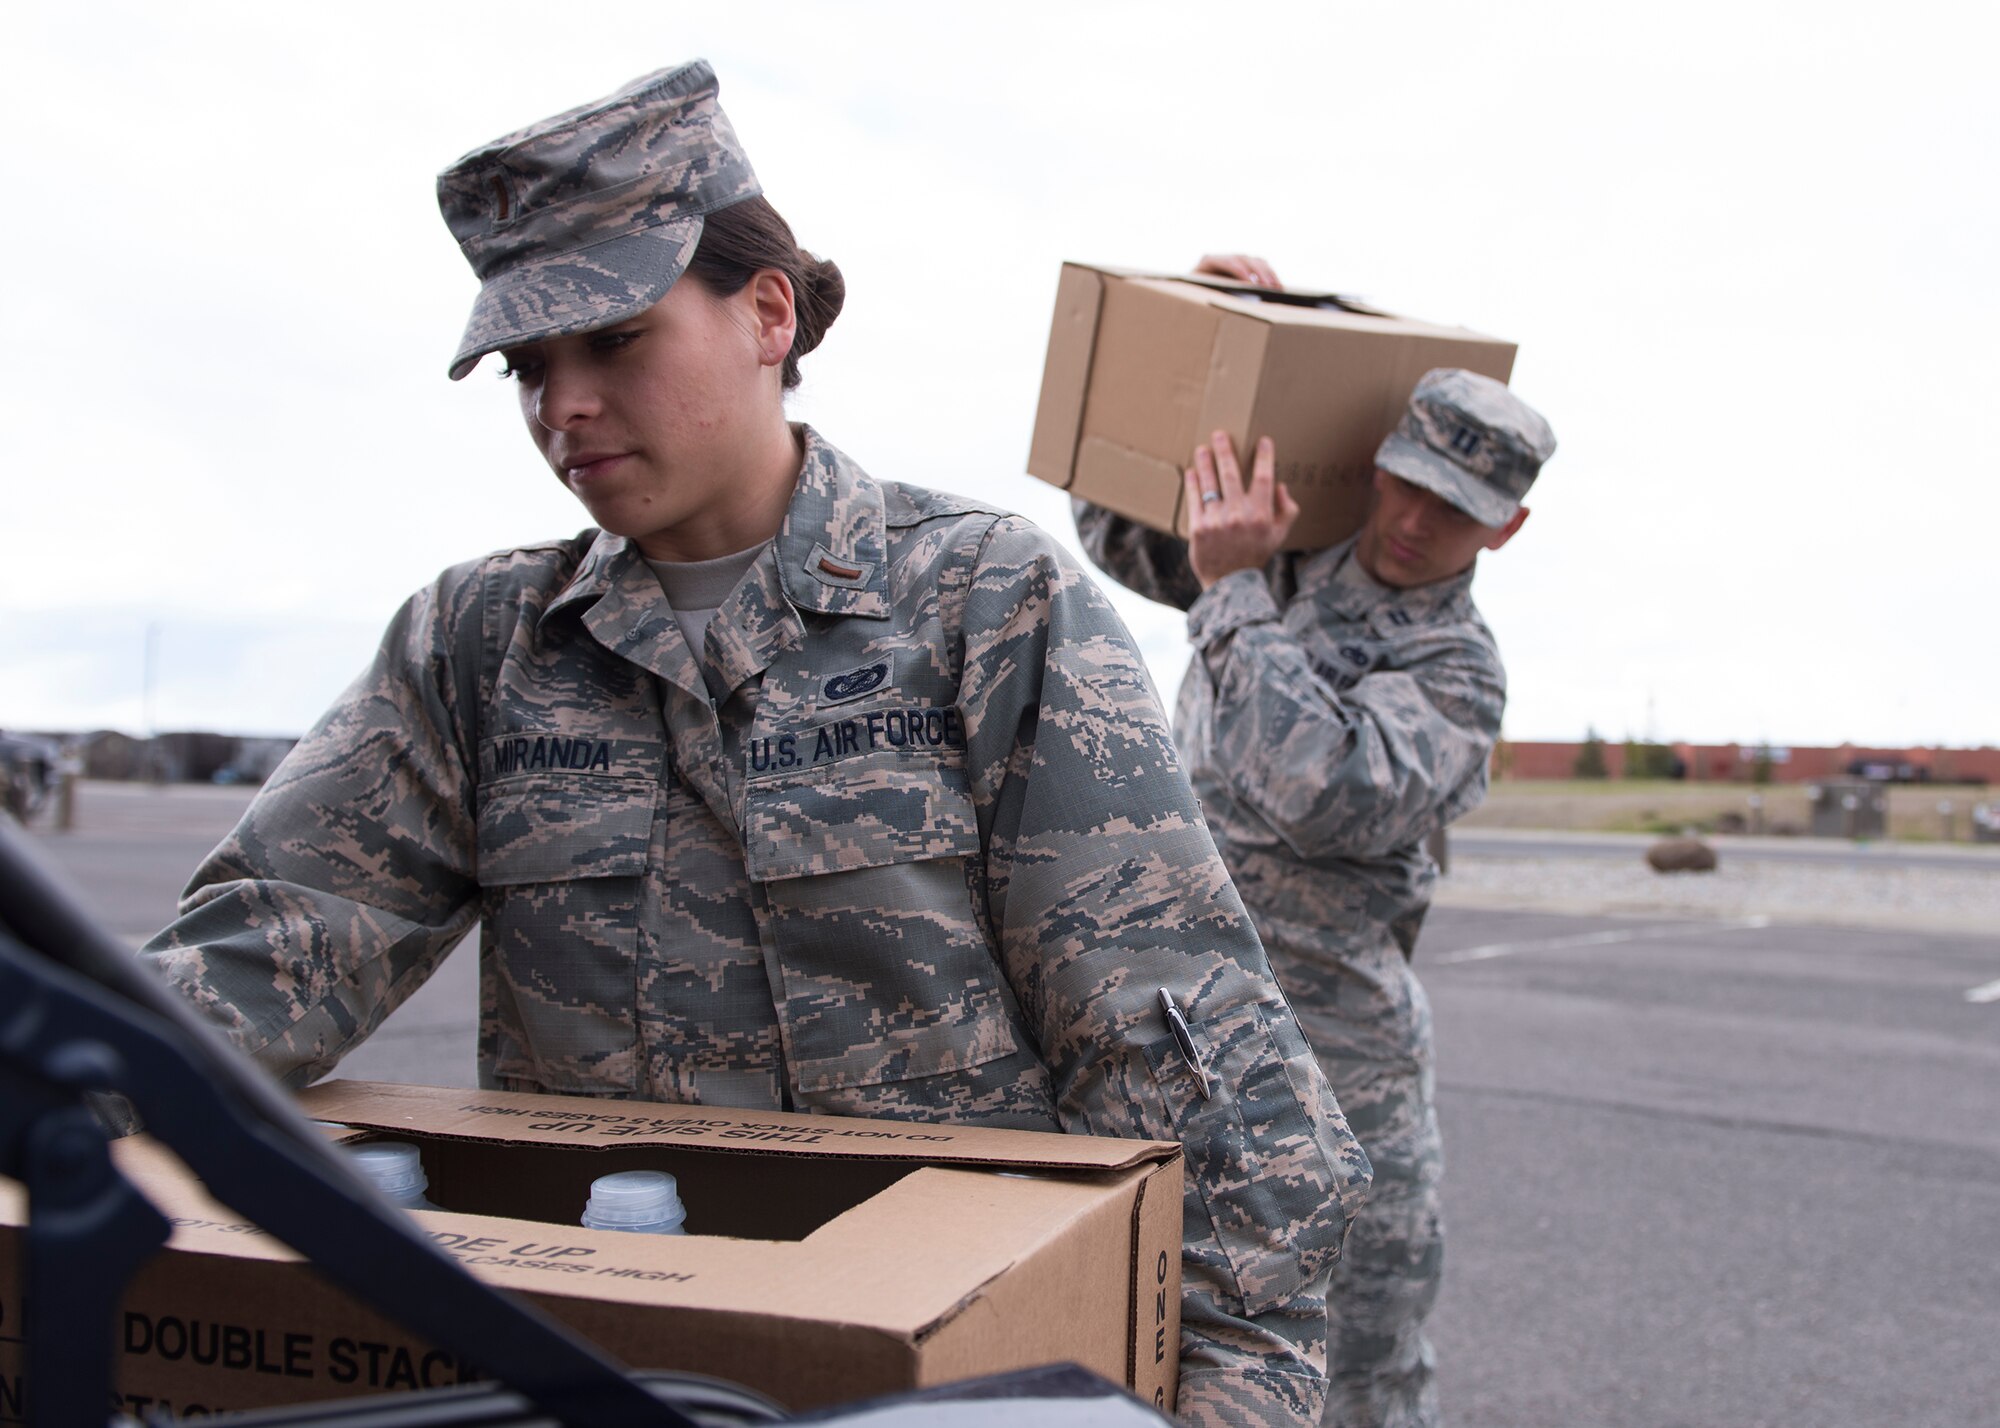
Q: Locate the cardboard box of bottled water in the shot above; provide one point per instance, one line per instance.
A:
(822, 1259)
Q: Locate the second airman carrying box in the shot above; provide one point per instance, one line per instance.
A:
(1142, 366)
(828, 1259)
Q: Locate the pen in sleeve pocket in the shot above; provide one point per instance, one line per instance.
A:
(1184, 1038)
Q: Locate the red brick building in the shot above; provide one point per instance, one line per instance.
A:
(1737, 763)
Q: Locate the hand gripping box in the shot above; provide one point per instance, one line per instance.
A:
(1141, 367)
(828, 1259)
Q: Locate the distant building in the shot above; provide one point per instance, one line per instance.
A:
(1741, 763)
(191, 757)
(110, 754)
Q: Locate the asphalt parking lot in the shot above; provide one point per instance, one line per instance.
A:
(1703, 1169)
(1710, 1172)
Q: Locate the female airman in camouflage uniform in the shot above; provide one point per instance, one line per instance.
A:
(898, 831)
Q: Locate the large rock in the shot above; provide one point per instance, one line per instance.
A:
(1681, 855)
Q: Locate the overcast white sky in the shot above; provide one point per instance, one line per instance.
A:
(1747, 249)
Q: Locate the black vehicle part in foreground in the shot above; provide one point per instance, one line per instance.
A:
(79, 1017)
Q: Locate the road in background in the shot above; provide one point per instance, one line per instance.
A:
(1536, 843)
(1702, 1170)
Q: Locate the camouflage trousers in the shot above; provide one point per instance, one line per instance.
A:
(1373, 1038)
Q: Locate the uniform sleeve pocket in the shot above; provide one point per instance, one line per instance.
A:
(1272, 1197)
(540, 830)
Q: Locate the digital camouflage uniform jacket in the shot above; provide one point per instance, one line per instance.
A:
(931, 859)
(1330, 724)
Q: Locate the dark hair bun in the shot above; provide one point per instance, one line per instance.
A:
(819, 300)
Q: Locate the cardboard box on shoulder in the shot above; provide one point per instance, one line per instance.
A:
(828, 1259)
(1141, 367)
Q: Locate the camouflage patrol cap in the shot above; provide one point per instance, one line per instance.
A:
(1472, 441)
(587, 218)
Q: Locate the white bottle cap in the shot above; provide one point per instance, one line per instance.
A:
(394, 1166)
(634, 1200)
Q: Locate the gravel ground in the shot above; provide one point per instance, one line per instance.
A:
(1935, 899)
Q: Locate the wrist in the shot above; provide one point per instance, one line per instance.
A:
(1209, 580)
(1240, 598)
(1212, 574)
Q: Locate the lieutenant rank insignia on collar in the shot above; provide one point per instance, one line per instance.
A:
(829, 569)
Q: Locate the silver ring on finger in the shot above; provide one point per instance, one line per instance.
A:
(1207, 496)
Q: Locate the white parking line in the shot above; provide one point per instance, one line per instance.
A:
(1988, 993)
(1602, 939)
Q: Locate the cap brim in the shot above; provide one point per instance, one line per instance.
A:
(1420, 466)
(577, 291)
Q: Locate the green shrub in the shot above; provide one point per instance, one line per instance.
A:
(1648, 760)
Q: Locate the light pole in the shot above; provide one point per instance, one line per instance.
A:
(154, 770)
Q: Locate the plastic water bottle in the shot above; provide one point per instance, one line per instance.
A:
(643, 1202)
(396, 1168)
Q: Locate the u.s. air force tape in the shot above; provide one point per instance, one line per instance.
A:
(917, 729)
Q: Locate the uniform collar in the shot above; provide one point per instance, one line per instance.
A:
(1334, 578)
(619, 599)
(831, 551)
(597, 575)
(833, 548)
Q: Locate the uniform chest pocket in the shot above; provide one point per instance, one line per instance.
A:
(878, 959)
(561, 865)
